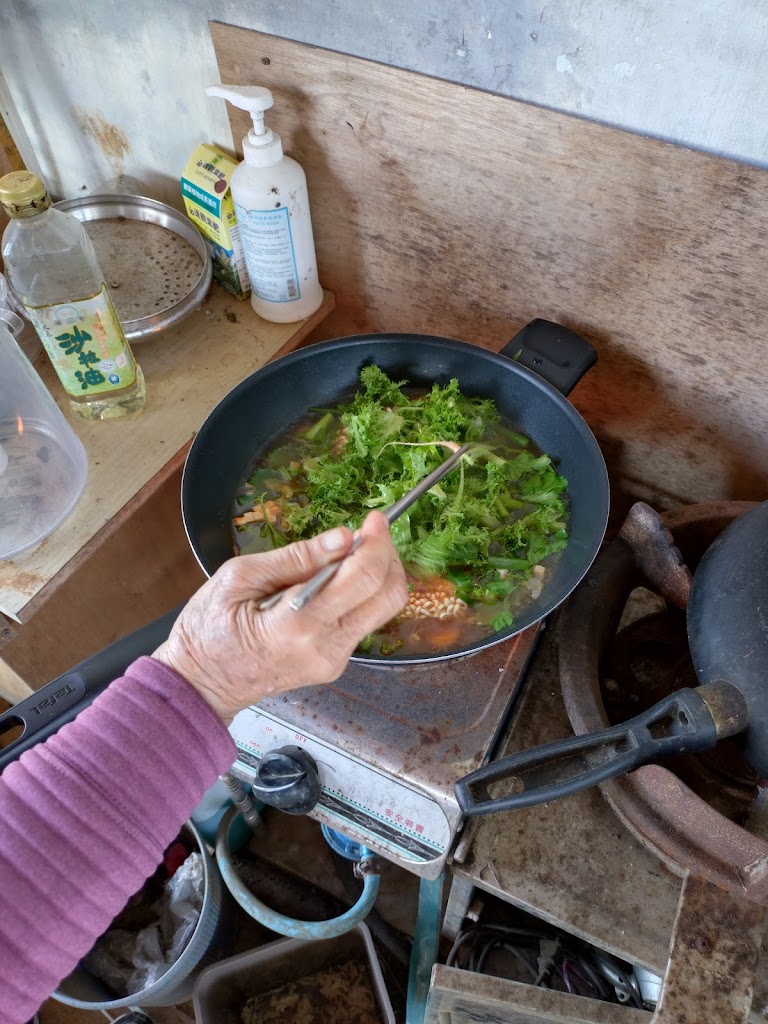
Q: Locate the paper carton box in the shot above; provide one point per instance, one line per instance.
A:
(209, 205)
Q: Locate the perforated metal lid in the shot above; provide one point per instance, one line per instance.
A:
(155, 263)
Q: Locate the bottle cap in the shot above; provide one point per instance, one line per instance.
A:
(22, 194)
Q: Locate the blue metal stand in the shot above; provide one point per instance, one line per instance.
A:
(425, 946)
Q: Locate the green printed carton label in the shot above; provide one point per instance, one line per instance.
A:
(209, 205)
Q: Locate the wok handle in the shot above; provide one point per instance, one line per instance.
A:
(683, 723)
(556, 353)
(58, 702)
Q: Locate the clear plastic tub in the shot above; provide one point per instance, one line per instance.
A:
(222, 991)
(21, 329)
(43, 465)
(8, 315)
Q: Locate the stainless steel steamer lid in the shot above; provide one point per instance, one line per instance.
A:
(155, 262)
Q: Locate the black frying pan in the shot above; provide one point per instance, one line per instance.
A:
(259, 409)
(727, 620)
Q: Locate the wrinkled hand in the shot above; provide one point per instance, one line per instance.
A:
(236, 655)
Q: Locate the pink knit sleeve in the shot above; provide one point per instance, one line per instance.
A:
(85, 818)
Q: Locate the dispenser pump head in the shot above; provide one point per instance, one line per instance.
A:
(261, 146)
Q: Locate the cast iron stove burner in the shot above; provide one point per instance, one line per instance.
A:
(615, 660)
(647, 660)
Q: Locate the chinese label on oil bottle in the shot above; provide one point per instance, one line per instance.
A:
(86, 344)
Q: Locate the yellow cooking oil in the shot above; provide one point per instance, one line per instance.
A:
(50, 263)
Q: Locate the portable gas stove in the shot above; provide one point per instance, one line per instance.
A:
(388, 744)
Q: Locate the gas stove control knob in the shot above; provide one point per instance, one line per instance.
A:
(287, 778)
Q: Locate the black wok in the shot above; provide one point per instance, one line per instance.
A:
(263, 406)
(728, 638)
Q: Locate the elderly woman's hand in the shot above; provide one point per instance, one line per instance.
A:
(236, 655)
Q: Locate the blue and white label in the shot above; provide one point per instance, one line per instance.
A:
(269, 253)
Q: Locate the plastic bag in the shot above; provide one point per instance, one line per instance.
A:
(130, 962)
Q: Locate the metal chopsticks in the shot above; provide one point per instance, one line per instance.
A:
(319, 580)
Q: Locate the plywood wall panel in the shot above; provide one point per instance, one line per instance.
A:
(446, 210)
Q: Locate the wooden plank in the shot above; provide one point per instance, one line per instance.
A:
(463, 997)
(188, 369)
(8, 630)
(712, 957)
(12, 687)
(145, 569)
(446, 210)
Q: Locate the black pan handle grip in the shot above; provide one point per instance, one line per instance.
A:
(59, 701)
(685, 722)
(556, 353)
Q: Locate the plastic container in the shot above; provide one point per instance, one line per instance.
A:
(8, 315)
(53, 270)
(210, 940)
(272, 207)
(22, 330)
(222, 990)
(43, 465)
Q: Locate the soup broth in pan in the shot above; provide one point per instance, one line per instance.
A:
(477, 547)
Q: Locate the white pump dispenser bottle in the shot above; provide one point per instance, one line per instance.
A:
(272, 206)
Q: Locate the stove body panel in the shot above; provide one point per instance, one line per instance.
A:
(389, 744)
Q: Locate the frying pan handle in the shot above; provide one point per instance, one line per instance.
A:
(683, 723)
(59, 701)
(557, 354)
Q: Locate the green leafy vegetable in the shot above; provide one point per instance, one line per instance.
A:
(484, 526)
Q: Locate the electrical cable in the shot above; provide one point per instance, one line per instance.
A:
(600, 986)
(458, 942)
(574, 969)
(569, 961)
(477, 931)
(566, 980)
(498, 944)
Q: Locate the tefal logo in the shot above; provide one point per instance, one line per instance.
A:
(50, 701)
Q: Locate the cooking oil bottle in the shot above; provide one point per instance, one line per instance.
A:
(50, 263)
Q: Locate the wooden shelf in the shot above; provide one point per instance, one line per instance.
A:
(188, 369)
